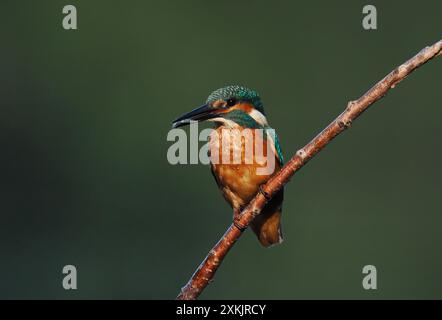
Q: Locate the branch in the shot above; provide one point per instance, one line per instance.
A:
(206, 271)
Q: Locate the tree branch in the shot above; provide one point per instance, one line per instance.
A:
(206, 271)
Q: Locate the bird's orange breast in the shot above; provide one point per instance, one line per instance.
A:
(239, 182)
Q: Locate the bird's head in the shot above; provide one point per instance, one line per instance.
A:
(229, 105)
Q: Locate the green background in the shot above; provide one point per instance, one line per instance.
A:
(85, 179)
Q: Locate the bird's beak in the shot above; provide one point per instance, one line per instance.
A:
(199, 114)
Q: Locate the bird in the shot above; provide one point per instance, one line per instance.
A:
(233, 109)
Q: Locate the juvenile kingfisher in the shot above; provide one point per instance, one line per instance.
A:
(235, 108)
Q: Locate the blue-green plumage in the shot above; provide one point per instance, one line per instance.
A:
(238, 92)
(278, 148)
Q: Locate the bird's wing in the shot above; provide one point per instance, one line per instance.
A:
(274, 137)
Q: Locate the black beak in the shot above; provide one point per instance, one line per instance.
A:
(199, 114)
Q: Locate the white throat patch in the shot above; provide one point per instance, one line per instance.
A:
(227, 122)
(258, 117)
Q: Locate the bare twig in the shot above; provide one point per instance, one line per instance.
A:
(206, 271)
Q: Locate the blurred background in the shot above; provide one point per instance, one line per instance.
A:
(84, 178)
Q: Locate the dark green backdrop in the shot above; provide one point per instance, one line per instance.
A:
(85, 180)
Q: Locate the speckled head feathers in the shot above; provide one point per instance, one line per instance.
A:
(239, 93)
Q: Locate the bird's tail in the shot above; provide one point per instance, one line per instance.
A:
(267, 227)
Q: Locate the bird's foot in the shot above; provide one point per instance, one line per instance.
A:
(238, 224)
(264, 193)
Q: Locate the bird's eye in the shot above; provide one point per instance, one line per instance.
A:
(231, 102)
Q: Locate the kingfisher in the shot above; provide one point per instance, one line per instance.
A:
(233, 109)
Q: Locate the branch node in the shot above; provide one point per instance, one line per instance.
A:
(402, 69)
(301, 153)
(344, 123)
(350, 105)
(256, 212)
